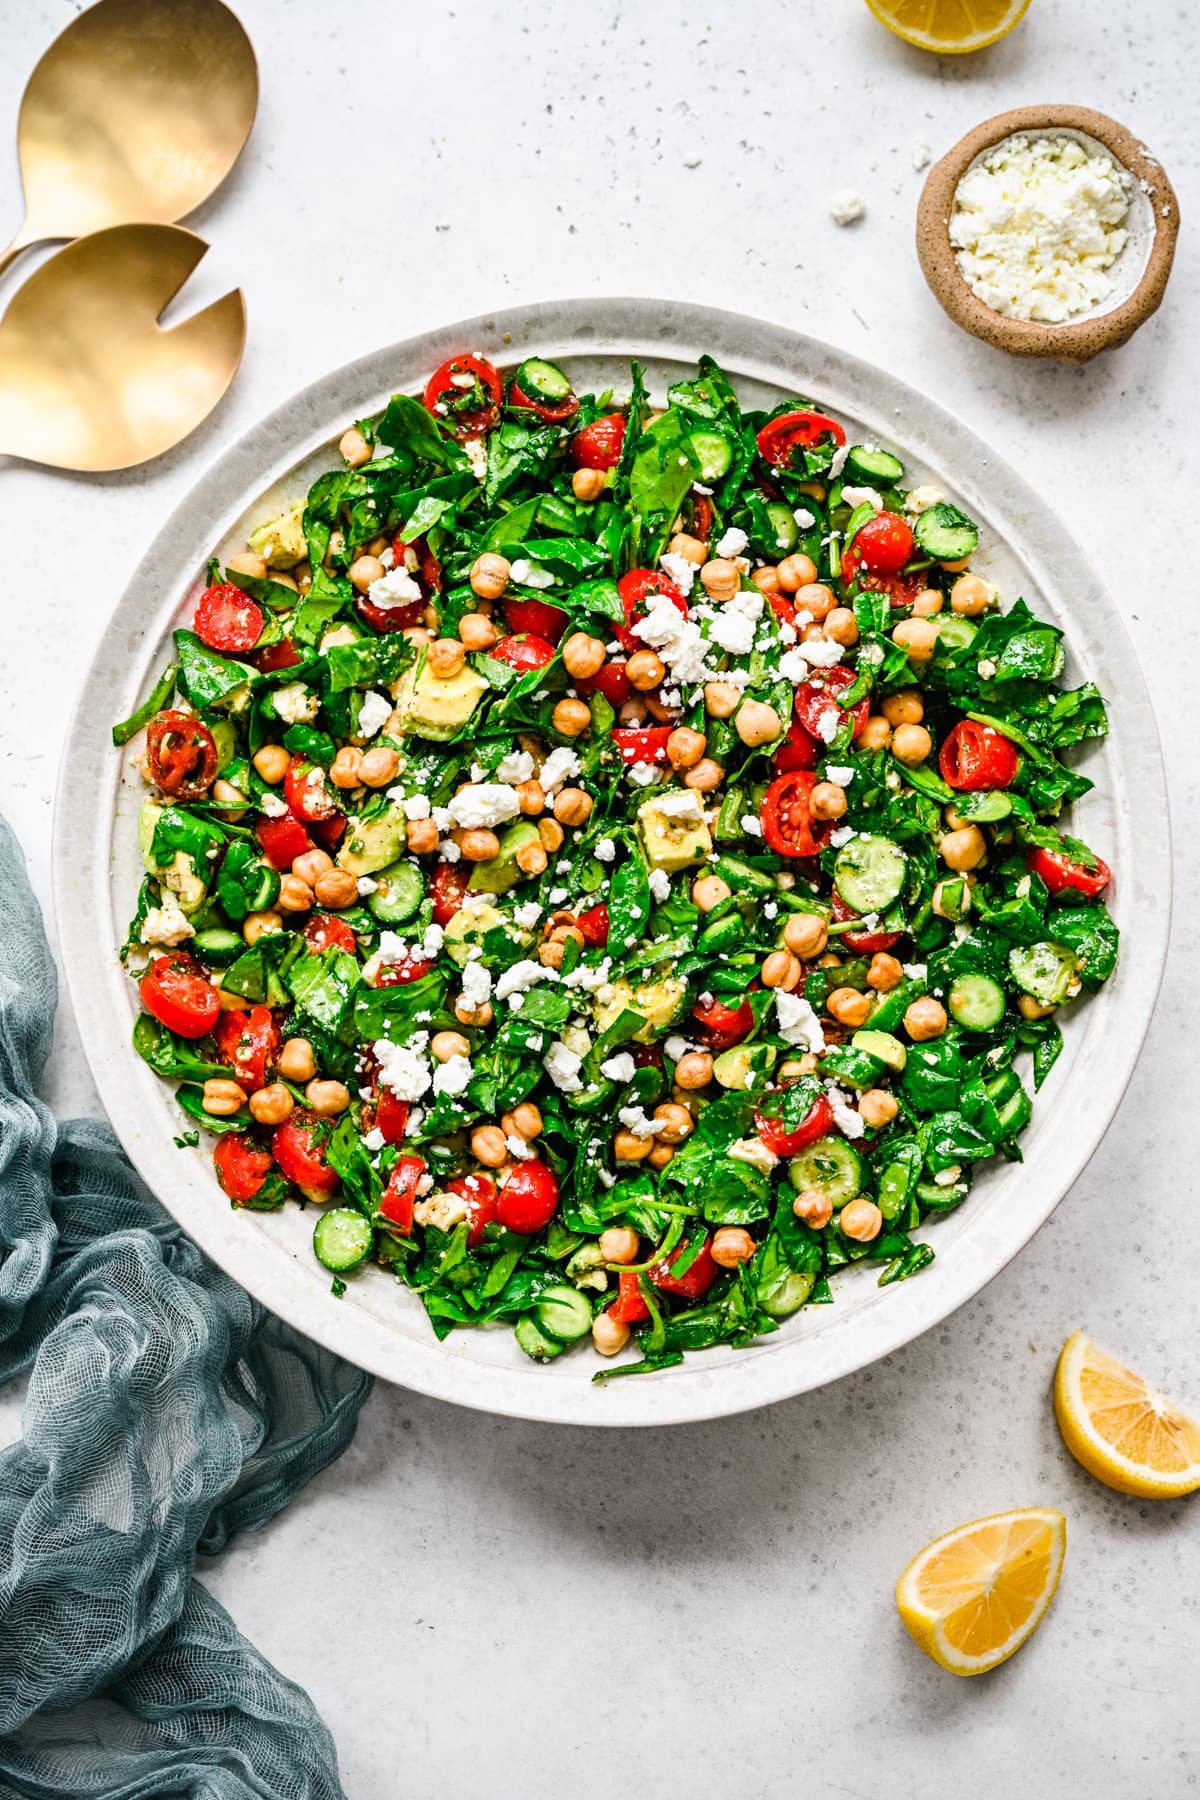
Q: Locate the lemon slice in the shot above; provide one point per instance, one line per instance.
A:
(952, 27)
(1122, 1432)
(971, 1598)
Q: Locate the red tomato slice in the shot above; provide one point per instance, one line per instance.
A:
(324, 931)
(182, 755)
(598, 445)
(641, 743)
(612, 681)
(391, 618)
(594, 925)
(816, 1123)
(175, 991)
(281, 655)
(883, 545)
(523, 651)
(629, 1306)
(722, 1026)
(299, 1146)
(975, 756)
(867, 942)
(467, 410)
(902, 590)
(400, 1195)
(784, 608)
(781, 437)
(248, 1043)
(282, 840)
(482, 1201)
(817, 708)
(528, 1197)
(448, 890)
(391, 1116)
(535, 618)
(701, 516)
(241, 1167)
(550, 414)
(1061, 872)
(787, 821)
(695, 1281)
(228, 620)
(306, 790)
(635, 589)
(799, 749)
(329, 832)
(399, 974)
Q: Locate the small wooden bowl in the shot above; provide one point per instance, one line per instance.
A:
(1140, 271)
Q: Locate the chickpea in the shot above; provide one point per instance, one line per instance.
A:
(345, 767)
(721, 699)
(797, 571)
(731, 1245)
(294, 895)
(969, 596)
(645, 670)
(584, 655)
(815, 598)
(336, 888)
(876, 734)
(334, 548)
(661, 1155)
(588, 484)
(417, 636)
(445, 657)
(861, 1220)
(709, 891)
(310, 864)
(829, 961)
(795, 1067)
(757, 723)
(827, 800)
(632, 711)
(609, 1335)
(551, 834)
(364, 570)
(531, 798)
(246, 563)
(354, 447)
(690, 548)
(722, 579)
(489, 575)
(694, 1070)
(918, 637)
(885, 972)
(422, 836)
(805, 935)
(950, 899)
(302, 575)
(963, 849)
(955, 821)
(526, 1121)
(476, 631)
(552, 952)
(260, 924)
(327, 1099)
(479, 845)
(570, 717)
(877, 1107)
(619, 1244)
(1029, 1008)
(925, 1019)
(848, 1006)
(904, 708)
(573, 807)
(628, 1148)
(911, 744)
(928, 604)
(379, 767)
(685, 748)
(658, 709)
(781, 970)
(842, 626)
(296, 1060)
(488, 1146)
(445, 1044)
(231, 799)
(813, 1206)
(766, 580)
(272, 763)
(672, 1122)
(531, 859)
(223, 1098)
(271, 1105)
(704, 776)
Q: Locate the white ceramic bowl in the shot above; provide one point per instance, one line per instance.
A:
(380, 1325)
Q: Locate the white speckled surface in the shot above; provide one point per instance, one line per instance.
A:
(473, 1601)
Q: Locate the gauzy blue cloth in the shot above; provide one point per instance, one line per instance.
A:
(165, 1412)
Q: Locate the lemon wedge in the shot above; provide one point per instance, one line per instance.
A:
(951, 27)
(1123, 1433)
(971, 1598)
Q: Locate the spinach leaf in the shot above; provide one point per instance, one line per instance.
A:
(154, 702)
(410, 431)
(172, 1057)
(323, 987)
(1090, 932)
(628, 905)
(204, 677)
(663, 471)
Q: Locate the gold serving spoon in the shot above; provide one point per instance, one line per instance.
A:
(136, 112)
(88, 377)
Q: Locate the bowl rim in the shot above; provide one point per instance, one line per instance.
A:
(1084, 338)
(1108, 1038)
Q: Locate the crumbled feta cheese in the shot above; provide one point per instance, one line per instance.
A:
(820, 653)
(915, 971)
(374, 711)
(733, 631)
(753, 1151)
(677, 640)
(477, 456)
(920, 499)
(515, 768)
(847, 1119)
(681, 803)
(404, 1068)
(476, 985)
(166, 924)
(295, 703)
(416, 806)
(521, 977)
(770, 910)
(986, 668)
(561, 766)
(274, 805)
(483, 804)
(842, 835)
(517, 1148)
(846, 206)
(557, 895)
(620, 1067)
(453, 1076)
(921, 152)
(374, 1140)
(871, 653)
(366, 886)
(948, 1177)
(635, 1121)
(678, 569)
(732, 544)
(528, 913)
(797, 1023)
(751, 825)
(530, 574)
(642, 774)
(563, 1066)
(448, 851)
(863, 496)
(842, 774)
(395, 588)
(804, 519)
(660, 884)
(606, 850)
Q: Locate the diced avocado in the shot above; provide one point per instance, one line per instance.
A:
(467, 928)
(502, 872)
(281, 542)
(659, 1003)
(740, 1068)
(373, 843)
(434, 708)
(672, 841)
(147, 822)
(179, 875)
(882, 1044)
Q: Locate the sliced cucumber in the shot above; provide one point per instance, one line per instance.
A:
(534, 1342)
(787, 1295)
(1044, 970)
(218, 947)
(543, 381)
(944, 533)
(399, 892)
(869, 872)
(857, 1068)
(954, 633)
(713, 452)
(986, 805)
(742, 877)
(342, 1239)
(784, 526)
(830, 1164)
(741, 1068)
(1014, 1108)
(723, 934)
(879, 468)
(563, 1314)
(976, 1002)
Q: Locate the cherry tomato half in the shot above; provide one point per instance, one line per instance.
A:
(799, 749)
(598, 445)
(902, 590)
(280, 655)
(391, 1116)
(448, 890)
(641, 743)
(299, 1146)
(324, 931)
(787, 821)
(975, 756)
(723, 1026)
(228, 620)
(248, 1041)
(306, 790)
(551, 414)
(816, 703)
(400, 1195)
(329, 831)
(780, 438)
(282, 840)
(399, 974)
(695, 1280)
(482, 1200)
(629, 1306)
(635, 588)
(175, 990)
(523, 651)
(535, 618)
(241, 1167)
(612, 681)
(182, 755)
(467, 407)
(1061, 872)
(883, 545)
(594, 925)
(816, 1123)
(867, 942)
(528, 1197)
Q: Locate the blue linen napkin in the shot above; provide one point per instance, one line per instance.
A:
(166, 1411)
